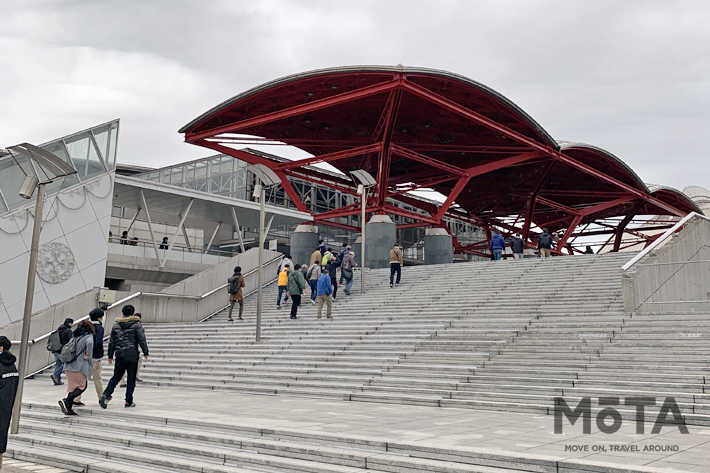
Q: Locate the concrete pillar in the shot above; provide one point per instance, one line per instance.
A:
(357, 247)
(304, 241)
(381, 234)
(438, 247)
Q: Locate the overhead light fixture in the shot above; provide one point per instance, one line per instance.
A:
(427, 124)
(325, 126)
(360, 189)
(307, 119)
(334, 86)
(28, 187)
(309, 93)
(266, 175)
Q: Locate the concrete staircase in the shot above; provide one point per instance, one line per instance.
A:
(508, 335)
(100, 441)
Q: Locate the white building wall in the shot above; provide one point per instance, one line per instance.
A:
(77, 219)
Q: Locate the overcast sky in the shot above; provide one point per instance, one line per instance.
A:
(632, 77)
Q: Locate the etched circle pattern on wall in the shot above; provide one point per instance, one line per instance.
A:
(55, 262)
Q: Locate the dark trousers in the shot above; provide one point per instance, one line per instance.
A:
(334, 282)
(314, 288)
(294, 305)
(121, 367)
(231, 307)
(69, 401)
(395, 268)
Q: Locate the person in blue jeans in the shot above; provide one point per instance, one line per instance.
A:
(497, 246)
(313, 274)
(65, 334)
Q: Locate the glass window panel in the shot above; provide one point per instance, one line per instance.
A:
(78, 148)
(165, 176)
(176, 177)
(112, 143)
(11, 179)
(57, 149)
(189, 173)
(61, 183)
(101, 139)
(3, 207)
(95, 165)
(200, 170)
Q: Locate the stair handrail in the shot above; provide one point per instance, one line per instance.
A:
(150, 294)
(670, 232)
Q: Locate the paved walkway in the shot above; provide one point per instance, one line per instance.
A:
(501, 431)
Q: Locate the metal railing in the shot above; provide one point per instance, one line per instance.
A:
(155, 294)
(669, 233)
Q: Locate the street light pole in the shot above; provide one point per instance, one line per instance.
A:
(262, 237)
(363, 199)
(27, 318)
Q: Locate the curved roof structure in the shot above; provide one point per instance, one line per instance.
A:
(415, 128)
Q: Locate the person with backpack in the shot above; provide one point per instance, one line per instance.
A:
(56, 341)
(235, 285)
(325, 289)
(312, 275)
(78, 367)
(96, 316)
(326, 257)
(545, 243)
(124, 382)
(286, 262)
(332, 268)
(283, 284)
(497, 245)
(396, 263)
(346, 269)
(296, 286)
(517, 244)
(9, 378)
(126, 336)
(341, 255)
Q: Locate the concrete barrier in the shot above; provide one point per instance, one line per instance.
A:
(674, 277)
(194, 299)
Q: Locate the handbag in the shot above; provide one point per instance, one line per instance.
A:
(347, 273)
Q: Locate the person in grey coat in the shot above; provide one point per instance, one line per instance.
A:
(78, 371)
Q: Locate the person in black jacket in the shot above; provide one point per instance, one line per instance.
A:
(332, 267)
(545, 243)
(65, 334)
(8, 389)
(126, 336)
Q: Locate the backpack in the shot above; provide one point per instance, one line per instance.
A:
(326, 258)
(68, 353)
(233, 284)
(54, 342)
(309, 273)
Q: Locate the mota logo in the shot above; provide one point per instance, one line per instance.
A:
(584, 410)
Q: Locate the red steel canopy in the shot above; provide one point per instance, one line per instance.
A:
(414, 128)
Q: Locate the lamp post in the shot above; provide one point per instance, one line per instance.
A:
(366, 181)
(53, 168)
(267, 178)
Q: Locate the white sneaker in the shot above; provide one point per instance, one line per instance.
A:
(313, 302)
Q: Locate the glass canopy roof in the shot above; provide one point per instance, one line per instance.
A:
(91, 152)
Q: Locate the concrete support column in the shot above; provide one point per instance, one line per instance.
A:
(304, 240)
(438, 247)
(357, 247)
(381, 236)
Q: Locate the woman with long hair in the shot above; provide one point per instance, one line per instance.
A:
(78, 371)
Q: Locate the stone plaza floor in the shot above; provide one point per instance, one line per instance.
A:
(514, 433)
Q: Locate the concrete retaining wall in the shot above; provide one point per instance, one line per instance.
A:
(674, 278)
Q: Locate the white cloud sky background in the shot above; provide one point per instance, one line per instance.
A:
(631, 77)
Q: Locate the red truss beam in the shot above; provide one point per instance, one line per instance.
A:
(337, 212)
(296, 110)
(325, 182)
(520, 138)
(330, 157)
(406, 213)
(460, 185)
(414, 156)
(253, 159)
(413, 225)
(339, 225)
(421, 185)
(605, 205)
(556, 205)
(344, 213)
(383, 170)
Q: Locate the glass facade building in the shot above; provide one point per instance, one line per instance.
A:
(226, 176)
(91, 152)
